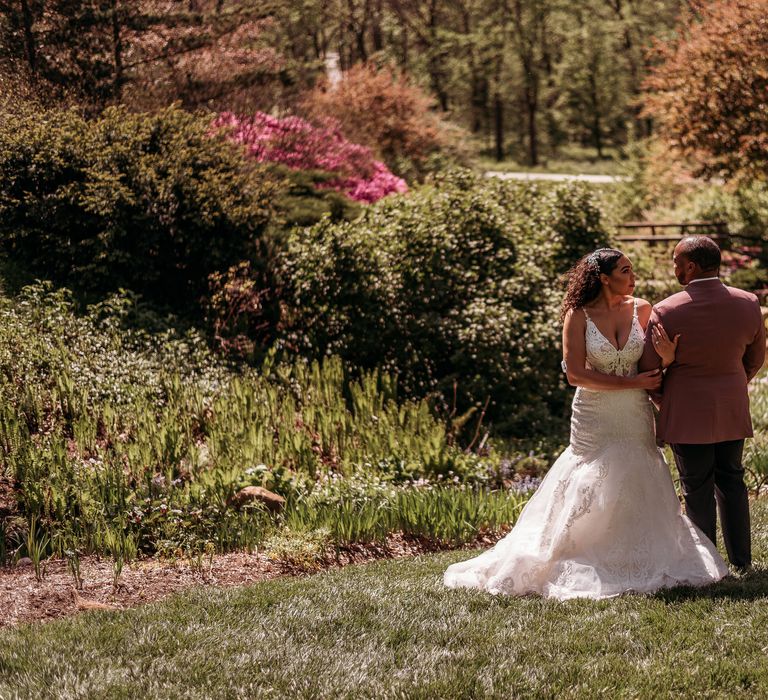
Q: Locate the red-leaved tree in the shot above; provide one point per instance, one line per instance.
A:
(383, 110)
(709, 94)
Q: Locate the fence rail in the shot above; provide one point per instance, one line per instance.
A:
(662, 231)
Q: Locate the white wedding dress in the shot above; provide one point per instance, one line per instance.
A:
(605, 520)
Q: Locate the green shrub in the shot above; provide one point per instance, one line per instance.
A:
(454, 287)
(149, 202)
(752, 277)
(744, 207)
(653, 270)
(92, 356)
(756, 463)
(303, 201)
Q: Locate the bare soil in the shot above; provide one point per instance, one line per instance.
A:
(23, 599)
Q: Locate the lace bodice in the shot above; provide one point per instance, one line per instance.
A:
(603, 356)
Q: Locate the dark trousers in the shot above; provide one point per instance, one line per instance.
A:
(713, 473)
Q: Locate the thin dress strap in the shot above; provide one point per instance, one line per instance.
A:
(634, 312)
(584, 309)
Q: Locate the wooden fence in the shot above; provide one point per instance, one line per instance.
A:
(652, 232)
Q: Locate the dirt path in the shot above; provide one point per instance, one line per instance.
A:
(24, 599)
(554, 177)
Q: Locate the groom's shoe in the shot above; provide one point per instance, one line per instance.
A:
(742, 571)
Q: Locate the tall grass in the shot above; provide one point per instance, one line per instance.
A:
(445, 515)
(107, 435)
(756, 449)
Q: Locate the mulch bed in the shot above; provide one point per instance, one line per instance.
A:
(24, 599)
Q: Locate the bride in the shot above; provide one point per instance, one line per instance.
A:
(605, 519)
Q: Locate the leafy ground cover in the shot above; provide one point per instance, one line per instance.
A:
(124, 443)
(390, 629)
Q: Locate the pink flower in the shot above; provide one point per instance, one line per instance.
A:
(296, 143)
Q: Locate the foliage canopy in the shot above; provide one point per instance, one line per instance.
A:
(710, 93)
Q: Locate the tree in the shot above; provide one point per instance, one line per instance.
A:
(424, 22)
(531, 45)
(146, 53)
(216, 55)
(519, 73)
(383, 110)
(634, 24)
(593, 87)
(17, 35)
(709, 94)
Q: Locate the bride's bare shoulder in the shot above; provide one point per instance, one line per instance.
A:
(644, 308)
(574, 318)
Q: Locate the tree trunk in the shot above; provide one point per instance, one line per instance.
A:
(597, 138)
(478, 83)
(377, 36)
(362, 52)
(634, 73)
(498, 108)
(404, 58)
(527, 32)
(533, 134)
(118, 52)
(29, 37)
(357, 33)
(434, 66)
(479, 101)
(437, 84)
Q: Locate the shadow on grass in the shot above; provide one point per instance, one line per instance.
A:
(750, 586)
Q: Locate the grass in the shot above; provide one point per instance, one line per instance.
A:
(570, 160)
(390, 629)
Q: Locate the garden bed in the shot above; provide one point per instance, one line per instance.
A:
(23, 599)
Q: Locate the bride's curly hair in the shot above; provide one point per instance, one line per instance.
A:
(583, 279)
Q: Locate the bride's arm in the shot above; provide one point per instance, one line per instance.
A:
(575, 360)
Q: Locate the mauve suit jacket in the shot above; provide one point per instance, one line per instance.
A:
(704, 395)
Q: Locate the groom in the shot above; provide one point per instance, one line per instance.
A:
(704, 405)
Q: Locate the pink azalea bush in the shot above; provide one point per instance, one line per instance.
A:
(294, 142)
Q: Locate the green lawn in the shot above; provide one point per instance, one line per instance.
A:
(571, 160)
(390, 629)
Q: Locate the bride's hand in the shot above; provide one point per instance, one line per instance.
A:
(665, 348)
(650, 381)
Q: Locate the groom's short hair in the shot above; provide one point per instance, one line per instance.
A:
(701, 250)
